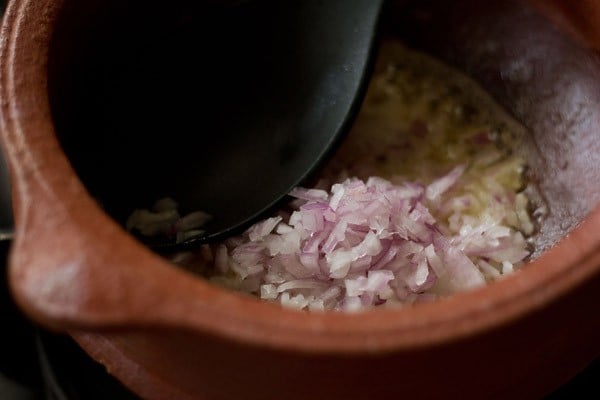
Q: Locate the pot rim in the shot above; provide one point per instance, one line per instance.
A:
(44, 196)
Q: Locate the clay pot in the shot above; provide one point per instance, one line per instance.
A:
(167, 334)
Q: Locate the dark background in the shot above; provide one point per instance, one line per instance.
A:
(38, 365)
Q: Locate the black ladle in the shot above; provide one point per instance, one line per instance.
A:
(223, 106)
(299, 82)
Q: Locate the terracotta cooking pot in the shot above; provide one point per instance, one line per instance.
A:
(167, 334)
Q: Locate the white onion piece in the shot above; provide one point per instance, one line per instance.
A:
(439, 186)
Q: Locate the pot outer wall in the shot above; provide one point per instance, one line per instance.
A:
(524, 356)
(526, 359)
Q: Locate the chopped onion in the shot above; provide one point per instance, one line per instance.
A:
(368, 243)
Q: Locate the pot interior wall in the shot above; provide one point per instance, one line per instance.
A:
(133, 84)
(545, 79)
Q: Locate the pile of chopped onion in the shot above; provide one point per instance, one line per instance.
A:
(364, 244)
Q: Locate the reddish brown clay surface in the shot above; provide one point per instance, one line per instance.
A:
(169, 335)
(580, 18)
